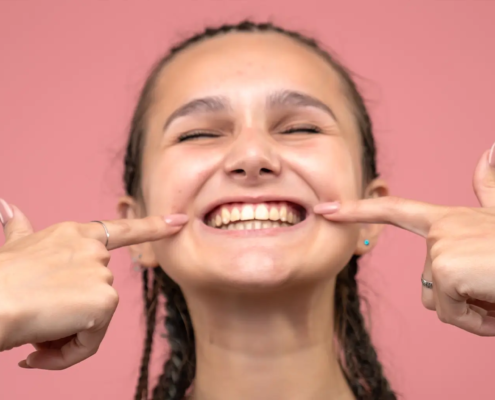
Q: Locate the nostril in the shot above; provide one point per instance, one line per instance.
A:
(265, 171)
(239, 172)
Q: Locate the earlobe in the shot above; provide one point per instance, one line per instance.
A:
(142, 254)
(136, 263)
(369, 233)
(363, 246)
(368, 237)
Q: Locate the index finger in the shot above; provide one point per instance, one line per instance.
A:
(414, 216)
(126, 232)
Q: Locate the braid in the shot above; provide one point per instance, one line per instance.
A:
(179, 369)
(150, 306)
(362, 369)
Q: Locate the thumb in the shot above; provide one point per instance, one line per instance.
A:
(484, 179)
(15, 223)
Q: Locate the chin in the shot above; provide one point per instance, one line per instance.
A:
(255, 271)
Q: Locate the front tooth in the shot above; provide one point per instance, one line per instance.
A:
(257, 224)
(235, 215)
(248, 225)
(247, 213)
(274, 215)
(218, 220)
(225, 216)
(276, 224)
(230, 226)
(290, 217)
(262, 212)
(239, 226)
(266, 224)
(283, 213)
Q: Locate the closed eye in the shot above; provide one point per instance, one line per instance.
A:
(302, 129)
(196, 135)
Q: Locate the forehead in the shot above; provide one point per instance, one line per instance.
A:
(245, 64)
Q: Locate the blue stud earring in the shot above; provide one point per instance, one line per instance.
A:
(366, 242)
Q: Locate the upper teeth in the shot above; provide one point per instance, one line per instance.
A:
(254, 212)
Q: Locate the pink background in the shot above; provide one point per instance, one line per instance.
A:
(69, 77)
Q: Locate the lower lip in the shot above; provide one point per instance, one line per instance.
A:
(255, 232)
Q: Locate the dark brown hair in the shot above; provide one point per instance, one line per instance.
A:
(358, 358)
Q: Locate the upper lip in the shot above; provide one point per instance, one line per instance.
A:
(253, 200)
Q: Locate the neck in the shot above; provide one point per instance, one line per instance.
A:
(267, 346)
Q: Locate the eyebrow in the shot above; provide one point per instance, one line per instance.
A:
(209, 104)
(290, 98)
(279, 99)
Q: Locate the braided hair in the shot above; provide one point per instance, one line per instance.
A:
(358, 358)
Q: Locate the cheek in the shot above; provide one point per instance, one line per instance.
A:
(172, 181)
(331, 169)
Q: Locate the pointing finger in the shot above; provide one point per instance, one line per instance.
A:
(414, 216)
(126, 232)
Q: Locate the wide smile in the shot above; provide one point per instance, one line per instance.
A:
(242, 216)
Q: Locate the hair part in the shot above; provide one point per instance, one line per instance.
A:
(358, 358)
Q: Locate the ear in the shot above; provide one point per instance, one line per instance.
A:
(129, 208)
(369, 233)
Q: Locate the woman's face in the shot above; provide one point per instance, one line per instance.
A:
(247, 132)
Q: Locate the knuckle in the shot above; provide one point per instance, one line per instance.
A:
(448, 223)
(110, 300)
(435, 233)
(446, 272)
(95, 249)
(124, 227)
(437, 248)
(442, 316)
(155, 225)
(93, 350)
(396, 202)
(106, 275)
(441, 268)
(462, 287)
(67, 228)
(428, 302)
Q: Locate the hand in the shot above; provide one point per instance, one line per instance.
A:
(55, 289)
(460, 258)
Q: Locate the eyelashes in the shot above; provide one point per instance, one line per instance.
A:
(302, 129)
(307, 129)
(196, 135)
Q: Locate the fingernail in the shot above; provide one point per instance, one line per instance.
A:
(6, 213)
(326, 208)
(491, 156)
(176, 219)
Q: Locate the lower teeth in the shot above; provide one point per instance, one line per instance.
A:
(255, 225)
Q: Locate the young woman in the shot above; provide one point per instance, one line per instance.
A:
(243, 137)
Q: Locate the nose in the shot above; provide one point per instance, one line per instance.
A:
(252, 158)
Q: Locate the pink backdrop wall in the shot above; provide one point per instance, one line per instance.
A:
(69, 76)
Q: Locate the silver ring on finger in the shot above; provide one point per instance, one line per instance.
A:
(426, 284)
(106, 232)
